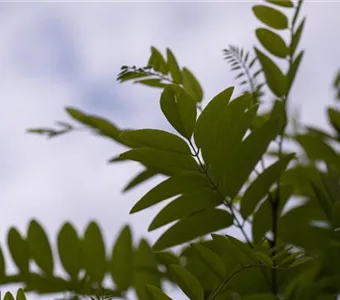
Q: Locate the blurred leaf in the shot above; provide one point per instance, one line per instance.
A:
(261, 185)
(139, 178)
(334, 119)
(94, 253)
(70, 250)
(158, 62)
(276, 80)
(191, 84)
(336, 215)
(2, 265)
(210, 259)
(9, 296)
(145, 270)
(121, 266)
(164, 161)
(175, 70)
(272, 42)
(187, 282)
(166, 258)
(180, 109)
(171, 187)
(284, 3)
(40, 248)
(192, 227)
(301, 261)
(185, 205)
(20, 295)
(19, 250)
(153, 82)
(157, 139)
(155, 293)
(293, 70)
(296, 37)
(271, 17)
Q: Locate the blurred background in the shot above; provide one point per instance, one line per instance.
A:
(54, 55)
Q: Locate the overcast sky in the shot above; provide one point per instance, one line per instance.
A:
(54, 55)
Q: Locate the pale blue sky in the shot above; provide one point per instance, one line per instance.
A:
(54, 55)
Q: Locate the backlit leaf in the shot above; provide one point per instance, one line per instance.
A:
(171, 187)
(121, 265)
(94, 253)
(276, 80)
(139, 178)
(175, 70)
(8, 296)
(272, 42)
(187, 282)
(192, 227)
(271, 17)
(261, 185)
(296, 37)
(40, 248)
(160, 160)
(20, 295)
(180, 109)
(191, 84)
(244, 161)
(186, 204)
(210, 259)
(158, 62)
(155, 293)
(70, 250)
(19, 250)
(208, 122)
(157, 139)
(293, 70)
(284, 3)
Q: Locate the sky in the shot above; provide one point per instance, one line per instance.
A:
(59, 54)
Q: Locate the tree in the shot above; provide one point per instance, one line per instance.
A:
(228, 165)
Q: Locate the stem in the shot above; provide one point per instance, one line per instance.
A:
(215, 187)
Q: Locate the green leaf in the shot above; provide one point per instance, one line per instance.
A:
(139, 178)
(155, 293)
(271, 17)
(192, 227)
(166, 258)
(70, 250)
(261, 296)
(153, 82)
(145, 270)
(210, 259)
(94, 253)
(121, 266)
(175, 70)
(284, 3)
(122, 77)
(293, 70)
(334, 119)
(187, 282)
(232, 129)
(244, 161)
(19, 250)
(164, 161)
(336, 215)
(171, 187)
(296, 37)
(157, 139)
(102, 126)
(40, 248)
(261, 185)
(185, 205)
(2, 264)
(191, 84)
(264, 258)
(230, 248)
(157, 61)
(208, 122)
(276, 80)
(272, 42)
(8, 296)
(300, 261)
(180, 109)
(20, 295)
(316, 149)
